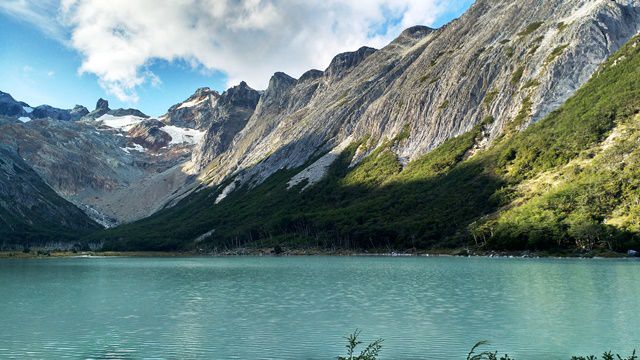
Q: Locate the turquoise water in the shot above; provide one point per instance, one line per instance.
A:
(300, 308)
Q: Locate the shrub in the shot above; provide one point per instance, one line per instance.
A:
(531, 28)
(370, 352)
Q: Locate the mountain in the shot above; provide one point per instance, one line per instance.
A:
(97, 161)
(472, 133)
(439, 139)
(500, 59)
(30, 211)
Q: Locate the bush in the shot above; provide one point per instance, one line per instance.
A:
(370, 352)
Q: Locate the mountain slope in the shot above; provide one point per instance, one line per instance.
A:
(570, 180)
(500, 59)
(99, 160)
(31, 213)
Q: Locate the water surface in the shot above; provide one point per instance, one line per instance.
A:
(301, 307)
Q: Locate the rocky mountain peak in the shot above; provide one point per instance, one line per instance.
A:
(9, 106)
(241, 95)
(200, 92)
(310, 75)
(279, 84)
(341, 63)
(411, 35)
(79, 111)
(102, 104)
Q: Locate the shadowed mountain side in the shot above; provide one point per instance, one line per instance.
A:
(30, 211)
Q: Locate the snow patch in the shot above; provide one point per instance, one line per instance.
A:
(316, 171)
(120, 122)
(183, 135)
(192, 103)
(136, 147)
(27, 109)
(24, 119)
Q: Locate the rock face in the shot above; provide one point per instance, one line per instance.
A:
(149, 134)
(223, 116)
(507, 63)
(194, 112)
(95, 166)
(30, 211)
(10, 107)
(46, 111)
(102, 108)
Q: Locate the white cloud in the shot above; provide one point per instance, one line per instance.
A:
(40, 13)
(246, 39)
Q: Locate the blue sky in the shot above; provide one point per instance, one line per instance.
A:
(39, 70)
(66, 59)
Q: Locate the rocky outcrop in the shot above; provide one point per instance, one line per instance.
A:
(511, 62)
(46, 111)
(206, 107)
(342, 63)
(10, 107)
(225, 117)
(102, 108)
(149, 134)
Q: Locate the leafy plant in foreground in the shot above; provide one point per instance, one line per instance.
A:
(485, 355)
(371, 352)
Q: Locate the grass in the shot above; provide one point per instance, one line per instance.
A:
(555, 53)
(532, 83)
(517, 75)
(510, 51)
(531, 28)
(561, 26)
(490, 97)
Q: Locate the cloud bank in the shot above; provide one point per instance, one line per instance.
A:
(246, 39)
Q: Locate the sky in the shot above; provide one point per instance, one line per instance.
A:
(151, 54)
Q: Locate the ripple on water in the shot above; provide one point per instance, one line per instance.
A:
(300, 308)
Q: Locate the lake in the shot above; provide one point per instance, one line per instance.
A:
(302, 307)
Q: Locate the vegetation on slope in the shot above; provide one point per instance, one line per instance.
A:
(453, 196)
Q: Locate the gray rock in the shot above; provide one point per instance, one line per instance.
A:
(49, 112)
(10, 107)
(226, 118)
(150, 135)
(126, 112)
(102, 104)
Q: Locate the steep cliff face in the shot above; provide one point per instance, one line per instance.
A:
(30, 211)
(223, 116)
(506, 63)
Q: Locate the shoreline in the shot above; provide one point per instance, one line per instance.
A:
(271, 252)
